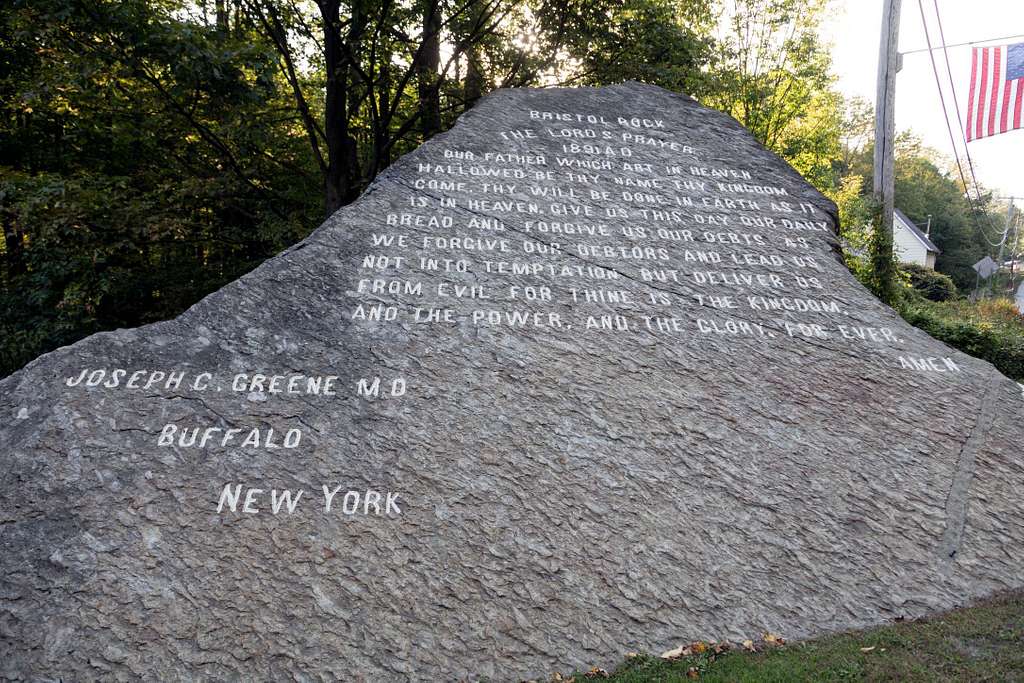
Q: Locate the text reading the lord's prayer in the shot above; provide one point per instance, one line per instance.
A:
(581, 227)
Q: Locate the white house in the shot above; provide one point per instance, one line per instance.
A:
(910, 244)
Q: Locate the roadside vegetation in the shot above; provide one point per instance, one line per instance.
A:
(948, 302)
(991, 329)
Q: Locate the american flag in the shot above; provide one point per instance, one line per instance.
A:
(997, 91)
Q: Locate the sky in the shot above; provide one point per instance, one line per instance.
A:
(854, 28)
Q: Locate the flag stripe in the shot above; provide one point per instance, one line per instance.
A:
(1005, 120)
(993, 100)
(981, 92)
(1020, 103)
(970, 98)
(1009, 96)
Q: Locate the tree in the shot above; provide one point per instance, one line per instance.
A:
(771, 66)
(379, 65)
(145, 160)
(662, 42)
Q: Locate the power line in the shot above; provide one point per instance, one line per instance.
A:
(956, 100)
(956, 105)
(973, 42)
(994, 245)
(942, 96)
(949, 127)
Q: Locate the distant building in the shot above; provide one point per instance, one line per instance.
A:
(910, 244)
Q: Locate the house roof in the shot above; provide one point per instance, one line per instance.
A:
(916, 231)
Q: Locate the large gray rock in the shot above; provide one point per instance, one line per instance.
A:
(687, 420)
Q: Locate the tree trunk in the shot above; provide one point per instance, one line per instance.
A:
(473, 89)
(382, 133)
(339, 180)
(426, 71)
(222, 16)
(14, 247)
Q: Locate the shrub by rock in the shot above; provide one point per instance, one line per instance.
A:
(932, 284)
(988, 329)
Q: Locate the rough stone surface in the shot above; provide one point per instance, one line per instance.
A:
(716, 470)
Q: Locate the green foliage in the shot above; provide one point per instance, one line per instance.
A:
(146, 159)
(923, 190)
(855, 215)
(883, 260)
(930, 283)
(991, 329)
(927, 185)
(811, 142)
(867, 251)
(663, 42)
(772, 74)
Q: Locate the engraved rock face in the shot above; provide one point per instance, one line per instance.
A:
(583, 375)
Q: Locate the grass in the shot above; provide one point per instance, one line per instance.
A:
(984, 642)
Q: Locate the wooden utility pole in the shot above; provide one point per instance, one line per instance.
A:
(1014, 250)
(885, 135)
(1002, 243)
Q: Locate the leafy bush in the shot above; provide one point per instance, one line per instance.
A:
(989, 329)
(932, 284)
